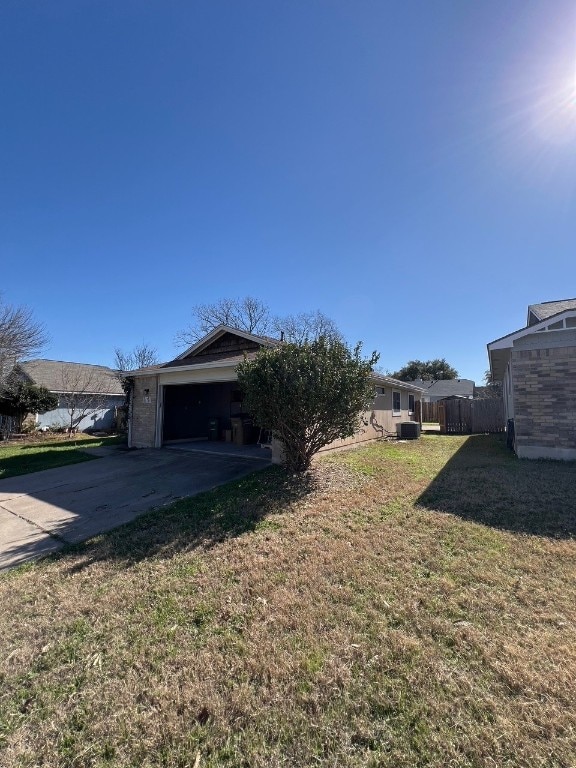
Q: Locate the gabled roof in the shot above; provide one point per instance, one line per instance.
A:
(508, 340)
(499, 349)
(199, 354)
(60, 376)
(548, 308)
(214, 349)
(218, 332)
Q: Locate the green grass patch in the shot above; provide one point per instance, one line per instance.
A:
(23, 458)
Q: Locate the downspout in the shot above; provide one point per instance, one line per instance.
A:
(130, 398)
(159, 421)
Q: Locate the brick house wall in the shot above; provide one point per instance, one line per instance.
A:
(143, 412)
(544, 387)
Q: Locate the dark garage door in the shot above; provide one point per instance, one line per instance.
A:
(189, 408)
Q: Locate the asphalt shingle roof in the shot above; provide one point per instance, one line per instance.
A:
(448, 387)
(548, 308)
(59, 376)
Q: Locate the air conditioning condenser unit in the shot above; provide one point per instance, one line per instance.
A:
(408, 430)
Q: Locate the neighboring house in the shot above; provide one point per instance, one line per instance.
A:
(442, 388)
(89, 394)
(537, 367)
(196, 396)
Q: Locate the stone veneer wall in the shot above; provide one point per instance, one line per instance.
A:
(544, 382)
(143, 421)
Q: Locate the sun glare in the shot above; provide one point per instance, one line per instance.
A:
(554, 109)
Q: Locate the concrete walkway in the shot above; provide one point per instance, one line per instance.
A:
(41, 512)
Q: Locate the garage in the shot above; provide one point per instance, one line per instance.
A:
(207, 411)
(196, 397)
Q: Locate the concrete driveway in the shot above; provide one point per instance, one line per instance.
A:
(41, 512)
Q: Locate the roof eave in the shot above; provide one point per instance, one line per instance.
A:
(180, 368)
(396, 382)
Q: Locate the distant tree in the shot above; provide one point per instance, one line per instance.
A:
(20, 336)
(19, 398)
(492, 387)
(306, 326)
(489, 378)
(428, 370)
(307, 394)
(246, 314)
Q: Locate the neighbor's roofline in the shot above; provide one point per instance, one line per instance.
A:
(377, 377)
(66, 362)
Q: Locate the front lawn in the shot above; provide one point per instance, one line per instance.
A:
(32, 455)
(411, 604)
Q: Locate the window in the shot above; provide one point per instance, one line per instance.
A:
(410, 403)
(379, 391)
(396, 404)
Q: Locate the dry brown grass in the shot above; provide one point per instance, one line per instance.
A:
(365, 618)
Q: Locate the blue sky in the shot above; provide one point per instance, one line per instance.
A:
(408, 168)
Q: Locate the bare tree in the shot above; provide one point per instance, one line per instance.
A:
(306, 327)
(247, 314)
(141, 356)
(20, 336)
(85, 392)
(253, 315)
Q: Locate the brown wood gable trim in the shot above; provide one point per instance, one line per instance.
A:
(226, 345)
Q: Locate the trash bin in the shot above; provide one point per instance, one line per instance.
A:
(248, 431)
(213, 429)
(242, 430)
(237, 431)
(510, 439)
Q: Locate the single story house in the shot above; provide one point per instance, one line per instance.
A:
(442, 388)
(196, 396)
(537, 367)
(89, 394)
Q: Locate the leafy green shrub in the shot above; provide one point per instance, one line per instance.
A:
(307, 394)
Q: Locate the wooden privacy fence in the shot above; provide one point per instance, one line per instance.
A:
(461, 416)
(429, 411)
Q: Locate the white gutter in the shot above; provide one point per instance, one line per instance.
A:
(180, 368)
(396, 382)
(81, 392)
